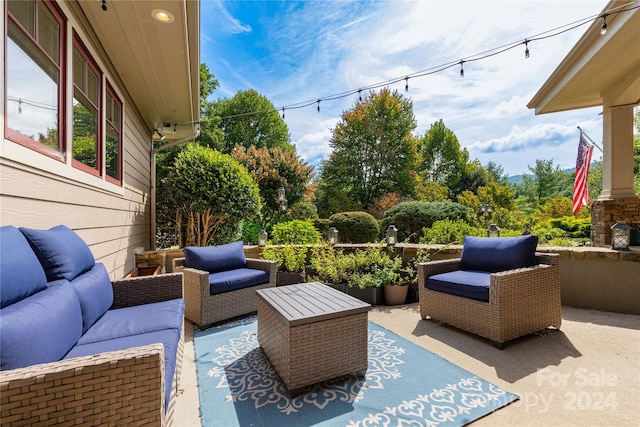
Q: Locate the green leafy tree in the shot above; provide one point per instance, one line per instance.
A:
(443, 160)
(210, 133)
(271, 168)
(374, 152)
(210, 190)
(247, 119)
(547, 181)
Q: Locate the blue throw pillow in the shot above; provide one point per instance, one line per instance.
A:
(95, 293)
(62, 253)
(498, 253)
(215, 258)
(21, 274)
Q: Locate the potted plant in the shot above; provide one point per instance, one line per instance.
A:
(290, 260)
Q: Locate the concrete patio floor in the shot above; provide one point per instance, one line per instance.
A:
(586, 374)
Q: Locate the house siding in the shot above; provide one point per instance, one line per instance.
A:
(40, 192)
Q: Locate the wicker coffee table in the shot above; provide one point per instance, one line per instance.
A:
(312, 332)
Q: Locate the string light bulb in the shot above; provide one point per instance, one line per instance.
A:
(603, 30)
(20, 106)
(319, 105)
(282, 113)
(526, 49)
(461, 68)
(360, 95)
(104, 5)
(406, 84)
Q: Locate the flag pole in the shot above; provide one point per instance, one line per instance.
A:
(589, 138)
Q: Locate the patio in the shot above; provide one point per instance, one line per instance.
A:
(581, 375)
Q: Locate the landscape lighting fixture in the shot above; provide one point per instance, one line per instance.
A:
(493, 231)
(333, 235)
(163, 16)
(262, 238)
(620, 236)
(392, 235)
(603, 30)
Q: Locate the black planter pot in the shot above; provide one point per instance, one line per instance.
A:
(284, 278)
(373, 296)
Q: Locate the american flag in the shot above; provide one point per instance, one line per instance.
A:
(581, 185)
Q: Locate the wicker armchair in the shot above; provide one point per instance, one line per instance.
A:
(113, 388)
(204, 309)
(521, 301)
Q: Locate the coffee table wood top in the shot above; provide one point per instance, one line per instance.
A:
(311, 302)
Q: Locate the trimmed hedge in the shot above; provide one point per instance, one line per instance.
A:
(355, 227)
(410, 218)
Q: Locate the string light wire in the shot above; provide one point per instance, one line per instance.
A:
(443, 67)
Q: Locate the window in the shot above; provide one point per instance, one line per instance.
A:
(114, 137)
(86, 106)
(34, 84)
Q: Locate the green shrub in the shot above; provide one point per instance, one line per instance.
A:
(447, 231)
(303, 210)
(576, 227)
(355, 227)
(410, 218)
(250, 230)
(294, 232)
(288, 257)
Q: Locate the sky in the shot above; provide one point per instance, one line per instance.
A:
(295, 52)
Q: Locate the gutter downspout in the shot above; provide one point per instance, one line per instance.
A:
(154, 153)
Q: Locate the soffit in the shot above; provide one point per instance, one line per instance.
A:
(599, 69)
(158, 63)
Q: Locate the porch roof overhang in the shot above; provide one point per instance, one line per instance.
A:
(600, 69)
(158, 63)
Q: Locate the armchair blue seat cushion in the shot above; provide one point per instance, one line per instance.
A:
(495, 254)
(463, 283)
(62, 253)
(215, 258)
(21, 274)
(239, 278)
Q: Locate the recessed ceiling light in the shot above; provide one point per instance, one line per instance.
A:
(162, 15)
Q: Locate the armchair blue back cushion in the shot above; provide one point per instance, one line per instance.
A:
(215, 259)
(21, 274)
(495, 254)
(62, 253)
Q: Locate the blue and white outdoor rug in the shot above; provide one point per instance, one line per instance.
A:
(405, 385)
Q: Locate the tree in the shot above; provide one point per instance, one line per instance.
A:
(249, 118)
(210, 133)
(443, 161)
(210, 190)
(548, 181)
(374, 152)
(271, 168)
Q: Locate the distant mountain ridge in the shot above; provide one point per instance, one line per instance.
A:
(518, 179)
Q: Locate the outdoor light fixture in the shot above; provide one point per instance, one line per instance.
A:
(392, 235)
(281, 194)
(603, 30)
(163, 16)
(486, 208)
(157, 132)
(333, 235)
(493, 230)
(262, 238)
(620, 236)
(284, 205)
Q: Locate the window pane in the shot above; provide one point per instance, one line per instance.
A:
(93, 85)
(48, 31)
(114, 137)
(25, 14)
(113, 152)
(79, 65)
(85, 130)
(32, 90)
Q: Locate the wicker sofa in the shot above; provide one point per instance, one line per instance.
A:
(220, 282)
(76, 348)
(500, 288)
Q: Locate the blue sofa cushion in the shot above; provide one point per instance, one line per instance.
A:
(464, 283)
(62, 253)
(239, 278)
(169, 338)
(21, 274)
(135, 320)
(41, 328)
(215, 258)
(95, 293)
(498, 253)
